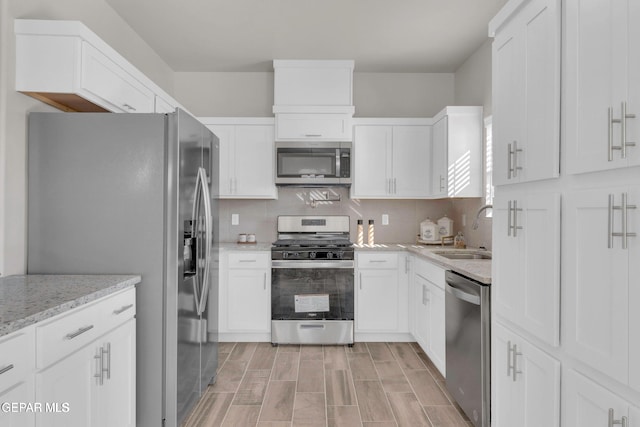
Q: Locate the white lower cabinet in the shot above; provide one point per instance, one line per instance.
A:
(428, 302)
(634, 416)
(588, 404)
(17, 363)
(525, 382)
(245, 296)
(381, 293)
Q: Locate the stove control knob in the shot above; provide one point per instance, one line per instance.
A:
(296, 255)
(340, 255)
(285, 255)
(329, 255)
(312, 255)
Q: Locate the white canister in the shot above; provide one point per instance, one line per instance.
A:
(445, 227)
(429, 231)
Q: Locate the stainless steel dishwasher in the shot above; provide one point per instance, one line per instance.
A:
(468, 345)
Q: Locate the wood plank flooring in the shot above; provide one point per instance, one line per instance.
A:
(369, 385)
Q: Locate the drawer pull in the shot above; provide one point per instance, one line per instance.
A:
(80, 331)
(122, 309)
(378, 260)
(6, 369)
(248, 260)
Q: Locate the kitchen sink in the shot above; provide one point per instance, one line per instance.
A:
(463, 255)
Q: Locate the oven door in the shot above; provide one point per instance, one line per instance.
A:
(312, 290)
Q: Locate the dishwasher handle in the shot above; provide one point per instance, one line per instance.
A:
(460, 294)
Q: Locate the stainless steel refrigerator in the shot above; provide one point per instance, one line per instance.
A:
(136, 193)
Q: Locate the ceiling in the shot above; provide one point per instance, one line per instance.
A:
(421, 36)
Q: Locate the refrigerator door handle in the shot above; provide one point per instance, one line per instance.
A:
(202, 176)
(195, 220)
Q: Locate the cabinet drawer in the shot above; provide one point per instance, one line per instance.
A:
(377, 260)
(17, 357)
(249, 260)
(64, 334)
(430, 272)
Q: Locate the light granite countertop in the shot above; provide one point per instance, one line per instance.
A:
(28, 299)
(232, 246)
(476, 269)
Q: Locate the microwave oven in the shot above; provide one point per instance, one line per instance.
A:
(313, 163)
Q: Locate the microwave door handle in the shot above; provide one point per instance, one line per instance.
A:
(208, 240)
(338, 174)
(195, 220)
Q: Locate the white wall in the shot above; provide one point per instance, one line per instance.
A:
(473, 87)
(374, 94)
(14, 107)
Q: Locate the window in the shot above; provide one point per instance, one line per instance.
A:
(488, 163)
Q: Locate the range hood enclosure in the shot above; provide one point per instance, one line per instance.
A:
(313, 100)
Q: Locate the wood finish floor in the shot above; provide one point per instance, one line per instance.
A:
(369, 385)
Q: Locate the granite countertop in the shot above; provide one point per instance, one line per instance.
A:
(25, 300)
(232, 246)
(477, 269)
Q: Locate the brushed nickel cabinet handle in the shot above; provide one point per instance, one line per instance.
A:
(623, 121)
(80, 331)
(6, 369)
(509, 220)
(122, 309)
(613, 421)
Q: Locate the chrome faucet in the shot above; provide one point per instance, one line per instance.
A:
(475, 222)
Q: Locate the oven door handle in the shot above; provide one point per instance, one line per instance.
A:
(312, 264)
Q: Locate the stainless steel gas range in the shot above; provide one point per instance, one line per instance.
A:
(312, 281)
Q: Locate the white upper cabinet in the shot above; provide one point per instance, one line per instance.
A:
(601, 84)
(313, 127)
(391, 160)
(456, 156)
(313, 100)
(526, 92)
(66, 65)
(317, 83)
(246, 157)
(526, 262)
(601, 326)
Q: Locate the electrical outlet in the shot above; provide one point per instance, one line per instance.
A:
(385, 219)
(235, 219)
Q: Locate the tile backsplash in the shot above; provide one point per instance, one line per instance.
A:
(259, 216)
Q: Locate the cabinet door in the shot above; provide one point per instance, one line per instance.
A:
(507, 77)
(371, 161)
(507, 262)
(530, 397)
(633, 92)
(587, 404)
(595, 283)
(108, 81)
(410, 161)
(436, 335)
(249, 301)
(507, 404)
(540, 156)
(18, 393)
(634, 416)
(254, 161)
(539, 289)
(116, 396)
(377, 300)
(226, 135)
(596, 81)
(70, 381)
(313, 127)
(421, 316)
(439, 158)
